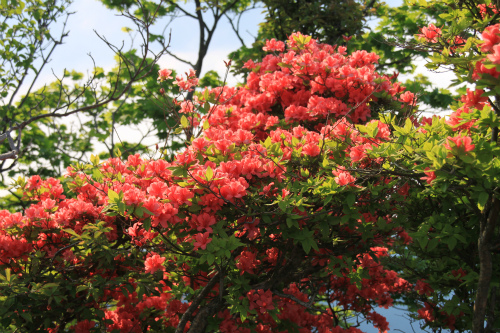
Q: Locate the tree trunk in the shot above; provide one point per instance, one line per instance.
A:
(487, 228)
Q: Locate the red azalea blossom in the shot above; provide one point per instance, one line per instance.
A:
(261, 300)
(164, 74)
(460, 142)
(487, 9)
(474, 99)
(491, 37)
(84, 326)
(408, 98)
(429, 175)
(494, 57)
(344, 178)
(426, 313)
(154, 263)
(274, 45)
(431, 33)
(202, 240)
(423, 288)
(247, 262)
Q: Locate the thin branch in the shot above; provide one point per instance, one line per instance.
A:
(235, 29)
(308, 305)
(182, 9)
(180, 59)
(45, 61)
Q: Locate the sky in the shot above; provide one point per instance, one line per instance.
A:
(90, 16)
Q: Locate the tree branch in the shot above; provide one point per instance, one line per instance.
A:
(195, 303)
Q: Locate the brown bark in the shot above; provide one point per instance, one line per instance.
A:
(202, 314)
(487, 228)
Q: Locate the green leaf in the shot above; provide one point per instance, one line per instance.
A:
(306, 245)
(27, 316)
(97, 175)
(433, 243)
(423, 240)
(146, 224)
(283, 205)
(351, 199)
(209, 173)
(482, 200)
(7, 275)
(81, 288)
(113, 196)
(94, 159)
(452, 242)
(184, 122)
(72, 232)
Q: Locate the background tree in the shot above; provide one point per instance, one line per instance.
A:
(31, 135)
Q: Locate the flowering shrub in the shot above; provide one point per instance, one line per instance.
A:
(280, 210)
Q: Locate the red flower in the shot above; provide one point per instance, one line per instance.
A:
(459, 273)
(408, 98)
(247, 262)
(426, 313)
(84, 326)
(495, 56)
(431, 33)
(311, 149)
(430, 175)
(358, 153)
(262, 300)
(154, 263)
(274, 45)
(343, 178)
(202, 240)
(204, 221)
(474, 99)
(491, 37)
(164, 74)
(187, 85)
(480, 68)
(233, 190)
(491, 8)
(460, 141)
(423, 288)
(168, 213)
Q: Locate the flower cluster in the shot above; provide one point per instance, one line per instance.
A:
(431, 33)
(251, 203)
